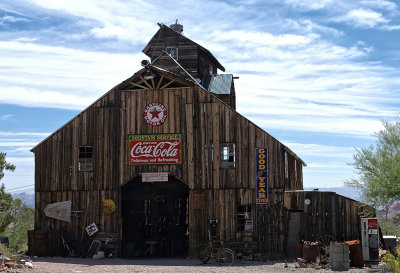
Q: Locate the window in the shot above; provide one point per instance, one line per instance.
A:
(173, 52)
(244, 218)
(227, 155)
(85, 163)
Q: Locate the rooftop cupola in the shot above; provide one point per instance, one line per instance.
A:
(177, 27)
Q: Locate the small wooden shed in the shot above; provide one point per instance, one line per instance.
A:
(320, 215)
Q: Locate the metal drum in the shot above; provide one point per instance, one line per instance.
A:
(339, 258)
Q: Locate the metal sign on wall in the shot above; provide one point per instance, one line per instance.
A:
(155, 149)
(155, 113)
(154, 177)
(261, 175)
(60, 211)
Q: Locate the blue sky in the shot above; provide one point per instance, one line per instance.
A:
(317, 75)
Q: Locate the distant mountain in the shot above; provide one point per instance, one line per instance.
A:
(393, 210)
(27, 198)
(27, 190)
(348, 192)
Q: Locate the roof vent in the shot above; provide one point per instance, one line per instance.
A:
(177, 27)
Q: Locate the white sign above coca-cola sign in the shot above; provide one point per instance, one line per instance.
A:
(155, 149)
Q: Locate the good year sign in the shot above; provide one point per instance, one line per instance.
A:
(155, 149)
(261, 175)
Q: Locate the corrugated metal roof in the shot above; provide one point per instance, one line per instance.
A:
(218, 84)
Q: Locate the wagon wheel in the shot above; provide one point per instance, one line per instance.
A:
(325, 240)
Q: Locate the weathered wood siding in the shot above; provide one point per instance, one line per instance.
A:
(56, 170)
(205, 122)
(327, 214)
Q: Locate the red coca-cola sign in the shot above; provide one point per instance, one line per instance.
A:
(155, 149)
(372, 223)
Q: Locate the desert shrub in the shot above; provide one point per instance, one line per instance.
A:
(392, 262)
(6, 251)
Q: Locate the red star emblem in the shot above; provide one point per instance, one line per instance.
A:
(154, 113)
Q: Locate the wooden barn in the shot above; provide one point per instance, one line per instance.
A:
(157, 158)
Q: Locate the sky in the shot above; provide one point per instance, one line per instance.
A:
(317, 75)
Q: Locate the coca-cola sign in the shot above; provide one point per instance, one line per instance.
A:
(155, 149)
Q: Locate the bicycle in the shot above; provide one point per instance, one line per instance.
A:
(214, 250)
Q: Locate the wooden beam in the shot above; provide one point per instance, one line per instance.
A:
(138, 85)
(144, 80)
(167, 84)
(160, 81)
(152, 83)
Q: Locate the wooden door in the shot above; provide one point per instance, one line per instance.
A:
(155, 219)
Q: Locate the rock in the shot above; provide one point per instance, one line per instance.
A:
(29, 264)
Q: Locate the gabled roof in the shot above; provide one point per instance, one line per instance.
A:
(147, 48)
(218, 84)
(136, 80)
(139, 81)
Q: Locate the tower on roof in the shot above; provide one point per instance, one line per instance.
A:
(198, 61)
(177, 27)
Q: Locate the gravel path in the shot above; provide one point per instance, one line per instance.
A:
(54, 265)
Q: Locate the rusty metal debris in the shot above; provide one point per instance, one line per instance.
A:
(16, 263)
(317, 255)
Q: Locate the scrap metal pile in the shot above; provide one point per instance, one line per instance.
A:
(15, 264)
(335, 255)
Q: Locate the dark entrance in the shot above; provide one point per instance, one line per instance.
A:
(155, 218)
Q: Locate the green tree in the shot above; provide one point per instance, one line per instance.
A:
(4, 165)
(8, 206)
(16, 231)
(378, 167)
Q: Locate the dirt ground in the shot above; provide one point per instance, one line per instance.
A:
(53, 265)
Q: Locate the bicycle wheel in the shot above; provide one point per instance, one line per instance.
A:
(204, 253)
(226, 257)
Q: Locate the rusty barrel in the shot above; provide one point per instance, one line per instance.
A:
(311, 253)
(339, 258)
(356, 256)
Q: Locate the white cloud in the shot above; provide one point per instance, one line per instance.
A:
(363, 18)
(16, 160)
(28, 134)
(308, 26)
(12, 19)
(380, 4)
(59, 77)
(312, 149)
(6, 117)
(309, 4)
(26, 39)
(390, 27)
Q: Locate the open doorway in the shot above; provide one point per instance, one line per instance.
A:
(155, 218)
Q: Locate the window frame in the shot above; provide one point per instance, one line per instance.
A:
(227, 156)
(85, 159)
(244, 218)
(168, 50)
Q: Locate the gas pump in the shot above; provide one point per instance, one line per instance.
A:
(370, 239)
